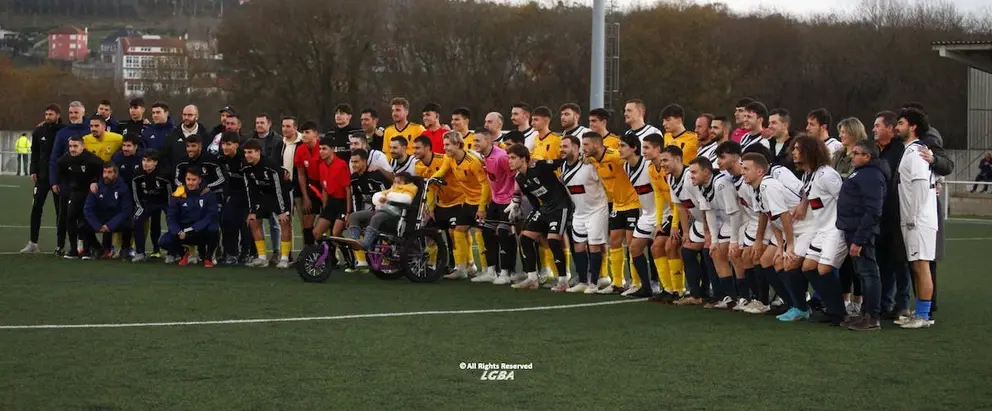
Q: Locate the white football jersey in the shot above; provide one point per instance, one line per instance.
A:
(822, 194)
(721, 196)
(751, 139)
(408, 166)
(913, 168)
(645, 131)
(578, 131)
(774, 199)
(530, 138)
(787, 178)
(709, 151)
(585, 188)
(685, 193)
(833, 145)
(748, 200)
(641, 180)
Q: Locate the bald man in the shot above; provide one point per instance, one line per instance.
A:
(175, 148)
(494, 125)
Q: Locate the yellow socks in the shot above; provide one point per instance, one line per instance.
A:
(284, 248)
(616, 266)
(604, 269)
(260, 247)
(480, 244)
(568, 260)
(675, 268)
(462, 250)
(549, 259)
(664, 273)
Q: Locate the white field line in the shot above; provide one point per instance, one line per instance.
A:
(324, 318)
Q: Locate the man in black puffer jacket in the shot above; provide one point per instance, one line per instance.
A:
(859, 215)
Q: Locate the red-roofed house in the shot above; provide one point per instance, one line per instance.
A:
(151, 62)
(68, 43)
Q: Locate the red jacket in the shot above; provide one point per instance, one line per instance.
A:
(437, 139)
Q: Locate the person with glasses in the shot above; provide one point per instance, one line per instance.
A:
(859, 215)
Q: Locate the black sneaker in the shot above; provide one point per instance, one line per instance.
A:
(59, 253)
(71, 255)
(777, 310)
(643, 292)
(661, 297)
(815, 305)
(852, 320)
(826, 318)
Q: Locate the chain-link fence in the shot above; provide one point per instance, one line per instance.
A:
(8, 157)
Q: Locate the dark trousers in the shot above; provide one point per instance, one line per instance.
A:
(151, 214)
(866, 267)
(205, 242)
(90, 240)
(41, 190)
(71, 219)
(896, 280)
(23, 160)
(982, 178)
(236, 234)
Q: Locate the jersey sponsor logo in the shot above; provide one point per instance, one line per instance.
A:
(643, 189)
(688, 204)
(816, 203)
(579, 189)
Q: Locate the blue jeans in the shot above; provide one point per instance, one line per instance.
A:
(896, 281)
(866, 267)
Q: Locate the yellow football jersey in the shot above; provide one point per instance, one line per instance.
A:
(104, 147)
(470, 141)
(547, 147)
(662, 191)
(436, 193)
(687, 141)
(619, 190)
(467, 178)
(612, 141)
(410, 132)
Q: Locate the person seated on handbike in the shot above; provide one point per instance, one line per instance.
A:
(389, 206)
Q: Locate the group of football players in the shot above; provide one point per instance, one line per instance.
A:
(735, 214)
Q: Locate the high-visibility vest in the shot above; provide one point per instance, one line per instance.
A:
(23, 145)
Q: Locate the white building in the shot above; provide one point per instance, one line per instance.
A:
(150, 62)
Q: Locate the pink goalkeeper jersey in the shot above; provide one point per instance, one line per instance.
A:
(501, 178)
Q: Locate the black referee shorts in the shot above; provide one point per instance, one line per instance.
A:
(334, 209)
(450, 217)
(549, 221)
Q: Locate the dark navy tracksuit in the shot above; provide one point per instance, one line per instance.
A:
(151, 192)
(73, 175)
(196, 214)
(111, 206)
(60, 147)
(235, 209)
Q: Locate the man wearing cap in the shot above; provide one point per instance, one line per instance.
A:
(225, 112)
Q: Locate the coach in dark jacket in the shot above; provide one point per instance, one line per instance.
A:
(859, 215)
(894, 270)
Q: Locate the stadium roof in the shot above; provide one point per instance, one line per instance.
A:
(975, 53)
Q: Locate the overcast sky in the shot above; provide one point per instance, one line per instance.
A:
(802, 7)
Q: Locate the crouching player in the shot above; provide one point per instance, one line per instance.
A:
(192, 219)
(267, 197)
(550, 219)
(150, 188)
(106, 211)
(388, 203)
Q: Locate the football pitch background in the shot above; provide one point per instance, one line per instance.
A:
(149, 336)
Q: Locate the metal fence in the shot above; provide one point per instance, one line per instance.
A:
(8, 157)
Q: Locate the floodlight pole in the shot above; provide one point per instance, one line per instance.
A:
(597, 81)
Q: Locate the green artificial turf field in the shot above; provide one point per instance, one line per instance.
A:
(630, 355)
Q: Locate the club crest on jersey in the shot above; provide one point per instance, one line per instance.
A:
(306, 163)
(201, 202)
(83, 167)
(115, 195)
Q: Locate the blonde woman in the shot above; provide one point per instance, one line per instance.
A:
(851, 130)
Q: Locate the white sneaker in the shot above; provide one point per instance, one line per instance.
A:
(548, 280)
(603, 282)
(528, 284)
(518, 277)
(578, 288)
(283, 263)
(606, 290)
(741, 303)
(655, 288)
(501, 279)
(630, 290)
(724, 303)
(169, 259)
(484, 278)
(458, 275)
(31, 248)
(196, 260)
(853, 309)
(473, 270)
(256, 263)
(591, 289)
(138, 258)
(359, 266)
(777, 302)
(561, 285)
(916, 322)
(756, 307)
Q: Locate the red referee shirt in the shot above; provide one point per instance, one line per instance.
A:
(308, 158)
(437, 139)
(335, 177)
